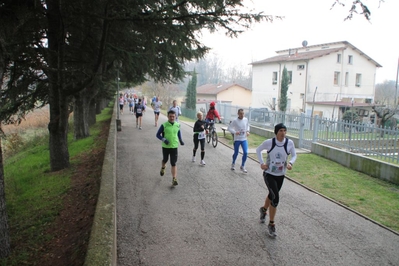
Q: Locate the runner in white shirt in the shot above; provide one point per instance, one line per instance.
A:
(156, 105)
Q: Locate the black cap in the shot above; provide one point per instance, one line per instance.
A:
(278, 127)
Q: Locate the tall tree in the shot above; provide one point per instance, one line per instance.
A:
(81, 39)
(285, 79)
(189, 93)
(194, 90)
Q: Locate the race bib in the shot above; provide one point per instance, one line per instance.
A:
(201, 135)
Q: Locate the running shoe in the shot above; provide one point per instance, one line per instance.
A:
(263, 213)
(193, 159)
(174, 181)
(202, 162)
(233, 167)
(242, 168)
(162, 172)
(272, 230)
(140, 128)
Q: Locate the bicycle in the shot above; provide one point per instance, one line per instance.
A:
(212, 134)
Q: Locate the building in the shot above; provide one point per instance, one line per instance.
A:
(230, 93)
(326, 79)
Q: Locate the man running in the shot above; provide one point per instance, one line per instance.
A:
(169, 133)
(138, 111)
(156, 105)
(240, 129)
(175, 108)
(274, 169)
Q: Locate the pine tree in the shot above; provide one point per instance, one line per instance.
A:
(284, 89)
(194, 90)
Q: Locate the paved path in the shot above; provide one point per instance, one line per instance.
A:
(211, 217)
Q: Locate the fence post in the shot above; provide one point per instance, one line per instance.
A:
(301, 130)
(315, 128)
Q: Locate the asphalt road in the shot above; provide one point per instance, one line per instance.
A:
(212, 216)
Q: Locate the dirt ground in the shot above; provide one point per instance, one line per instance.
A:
(71, 230)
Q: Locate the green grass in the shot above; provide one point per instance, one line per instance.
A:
(369, 196)
(34, 195)
(372, 197)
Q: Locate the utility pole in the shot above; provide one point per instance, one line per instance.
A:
(311, 115)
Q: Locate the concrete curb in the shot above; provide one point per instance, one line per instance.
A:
(102, 243)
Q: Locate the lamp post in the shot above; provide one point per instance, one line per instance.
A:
(117, 65)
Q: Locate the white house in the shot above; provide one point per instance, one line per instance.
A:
(326, 78)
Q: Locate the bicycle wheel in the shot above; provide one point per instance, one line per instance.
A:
(214, 139)
(208, 137)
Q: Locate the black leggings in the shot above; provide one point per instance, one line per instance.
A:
(274, 184)
(202, 142)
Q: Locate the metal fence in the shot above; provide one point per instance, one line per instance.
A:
(361, 138)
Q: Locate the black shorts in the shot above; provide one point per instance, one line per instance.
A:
(156, 113)
(138, 115)
(172, 152)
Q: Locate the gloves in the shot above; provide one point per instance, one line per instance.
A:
(165, 141)
(181, 143)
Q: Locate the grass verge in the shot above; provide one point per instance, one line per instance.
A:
(35, 196)
(372, 197)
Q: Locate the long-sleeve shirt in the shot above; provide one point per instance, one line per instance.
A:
(168, 133)
(278, 156)
(239, 125)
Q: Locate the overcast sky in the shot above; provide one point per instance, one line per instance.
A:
(313, 21)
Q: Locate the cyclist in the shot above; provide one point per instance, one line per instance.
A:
(212, 113)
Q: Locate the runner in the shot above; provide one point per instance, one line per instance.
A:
(121, 103)
(169, 133)
(131, 104)
(240, 129)
(138, 111)
(175, 108)
(156, 105)
(274, 169)
(199, 137)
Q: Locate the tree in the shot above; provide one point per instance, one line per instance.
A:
(81, 39)
(351, 116)
(191, 93)
(285, 79)
(384, 92)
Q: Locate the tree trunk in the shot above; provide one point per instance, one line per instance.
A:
(99, 104)
(58, 102)
(4, 230)
(92, 111)
(58, 132)
(81, 115)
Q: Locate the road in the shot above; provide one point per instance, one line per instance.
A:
(212, 217)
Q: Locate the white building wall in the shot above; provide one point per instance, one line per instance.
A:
(318, 72)
(263, 89)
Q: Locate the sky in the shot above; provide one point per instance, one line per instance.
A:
(315, 22)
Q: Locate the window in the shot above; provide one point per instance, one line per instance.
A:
(290, 77)
(368, 100)
(350, 59)
(358, 80)
(336, 77)
(338, 58)
(274, 78)
(301, 67)
(346, 79)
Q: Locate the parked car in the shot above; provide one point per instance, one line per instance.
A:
(260, 115)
